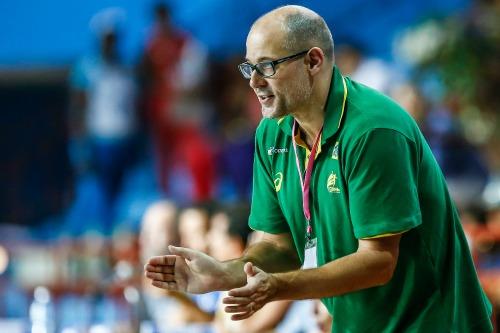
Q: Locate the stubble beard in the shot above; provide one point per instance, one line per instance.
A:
(298, 95)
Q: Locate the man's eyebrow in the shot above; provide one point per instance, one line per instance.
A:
(259, 59)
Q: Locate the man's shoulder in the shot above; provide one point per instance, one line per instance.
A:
(369, 109)
(372, 104)
(269, 129)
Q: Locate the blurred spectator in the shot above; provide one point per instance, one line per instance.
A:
(158, 230)
(461, 162)
(163, 225)
(13, 300)
(373, 72)
(103, 120)
(173, 75)
(482, 228)
(227, 240)
(228, 235)
(410, 98)
(238, 113)
(229, 231)
(193, 227)
(490, 262)
(322, 317)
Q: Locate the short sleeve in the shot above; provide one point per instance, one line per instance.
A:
(265, 214)
(381, 173)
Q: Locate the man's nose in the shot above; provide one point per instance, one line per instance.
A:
(256, 80)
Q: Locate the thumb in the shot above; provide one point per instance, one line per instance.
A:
(182, 252)
(250, 269)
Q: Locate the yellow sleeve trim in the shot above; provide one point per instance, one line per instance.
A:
(386, 235)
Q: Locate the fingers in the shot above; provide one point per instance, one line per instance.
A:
(237, 300)
(159, 269)
(241, 316)
(244, 300)
(162, 271)
(249, 269)
(240, 308)
(157, 264)
(245, 291)
(243, 307)
(244, 311)
(162, 260)
(171, 286)
(160, 277)
(182, 252)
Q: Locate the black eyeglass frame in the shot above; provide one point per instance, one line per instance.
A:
(273, 64)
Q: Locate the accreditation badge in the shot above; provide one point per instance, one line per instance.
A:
(310, 259)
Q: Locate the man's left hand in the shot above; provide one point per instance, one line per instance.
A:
(259, 290)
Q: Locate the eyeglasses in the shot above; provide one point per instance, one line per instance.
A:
(265, 68)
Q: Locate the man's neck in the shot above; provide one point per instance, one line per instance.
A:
(311, 118)
(310, 124)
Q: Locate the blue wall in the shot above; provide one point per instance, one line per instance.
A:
(55, 32)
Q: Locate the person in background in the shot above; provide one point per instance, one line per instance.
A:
(228, 237)
(103, 119)
(229, 232)
(462, 164)
(354, 63)
(173, 74)
(196, 310)
(238, 115)
(193, 226)
(322, 317)
(158, 230)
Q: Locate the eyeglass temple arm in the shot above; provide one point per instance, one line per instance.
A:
(279, 61)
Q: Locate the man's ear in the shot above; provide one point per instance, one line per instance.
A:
(315, 60)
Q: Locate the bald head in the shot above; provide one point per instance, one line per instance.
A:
(158, 229)
(296, 29)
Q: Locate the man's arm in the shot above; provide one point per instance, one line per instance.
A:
(195, 272)
(272, 252)
(371, 265)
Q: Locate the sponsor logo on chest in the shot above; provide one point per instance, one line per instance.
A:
(276, 150)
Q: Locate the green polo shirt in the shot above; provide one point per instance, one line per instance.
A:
(374, 175)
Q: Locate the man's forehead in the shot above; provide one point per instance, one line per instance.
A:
(263, 44)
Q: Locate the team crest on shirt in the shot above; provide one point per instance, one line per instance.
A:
(330, 183)
(278, 180)
(335, 151)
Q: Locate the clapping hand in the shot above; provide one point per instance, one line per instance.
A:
(185, 270)
(259, 290)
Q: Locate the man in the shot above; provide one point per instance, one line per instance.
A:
(173, 71)
(103, 118)
(391, 253)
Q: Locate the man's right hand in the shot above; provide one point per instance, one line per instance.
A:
(186, 270)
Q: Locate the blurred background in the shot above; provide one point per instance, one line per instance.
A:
(125, 126)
